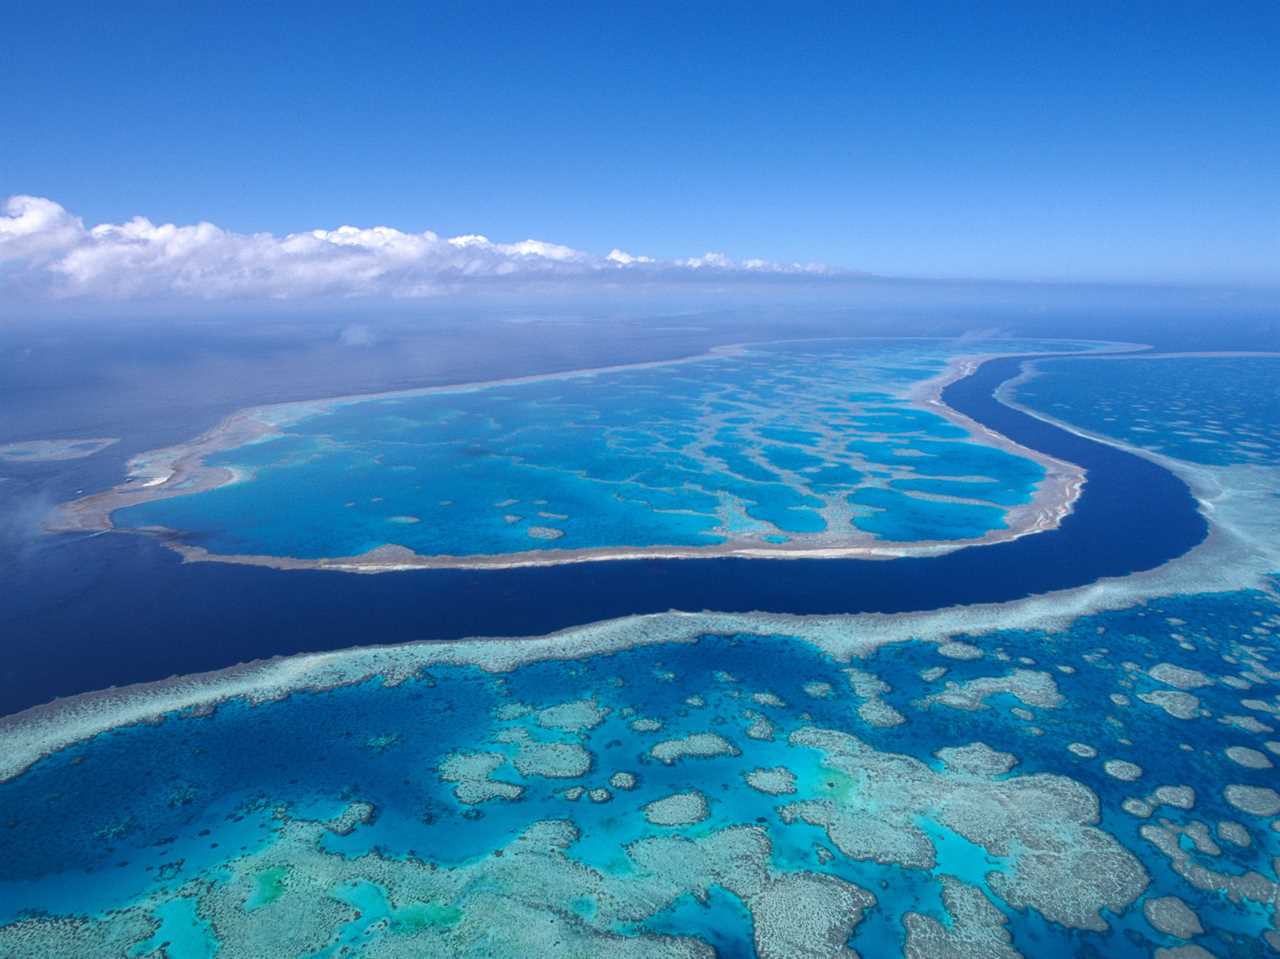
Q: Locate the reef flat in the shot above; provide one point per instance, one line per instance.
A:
(53, 451)
(620, 799)
(814, 449)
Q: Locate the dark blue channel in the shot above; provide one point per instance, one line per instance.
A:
(118, 609)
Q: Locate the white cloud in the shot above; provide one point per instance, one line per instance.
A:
(626, 259)
(717, 261)
(45, 251)
(36, 229)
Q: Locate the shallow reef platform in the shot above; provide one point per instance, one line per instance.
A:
(817, 448)
(750, 793)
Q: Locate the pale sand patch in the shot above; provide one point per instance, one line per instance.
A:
(959, 650)
(472, 774)
(577, 716)
(1122, 770)
(1176, 703)
(1180, 797)
(1249, 758)
(680, 809)
(696, 745)
(1254, 800)
(1234, 833)
(550, 760)
(52, 451)
(1178, 676)
(778, 781)
(1172, 916)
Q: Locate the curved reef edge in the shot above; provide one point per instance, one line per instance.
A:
(1241, 551)
(182, 470)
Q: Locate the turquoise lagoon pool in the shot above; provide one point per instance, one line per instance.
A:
(803, 444)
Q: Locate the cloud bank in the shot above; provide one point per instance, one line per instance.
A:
(47, 252)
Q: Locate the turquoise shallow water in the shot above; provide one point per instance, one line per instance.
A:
(199, 828)
(901, 516)
(798, 442)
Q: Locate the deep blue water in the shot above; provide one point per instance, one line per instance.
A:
(1214, 410)
(118, 609)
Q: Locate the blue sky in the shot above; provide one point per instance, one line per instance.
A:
(1132, 142)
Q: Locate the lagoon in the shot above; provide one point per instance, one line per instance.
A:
(781, 449)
